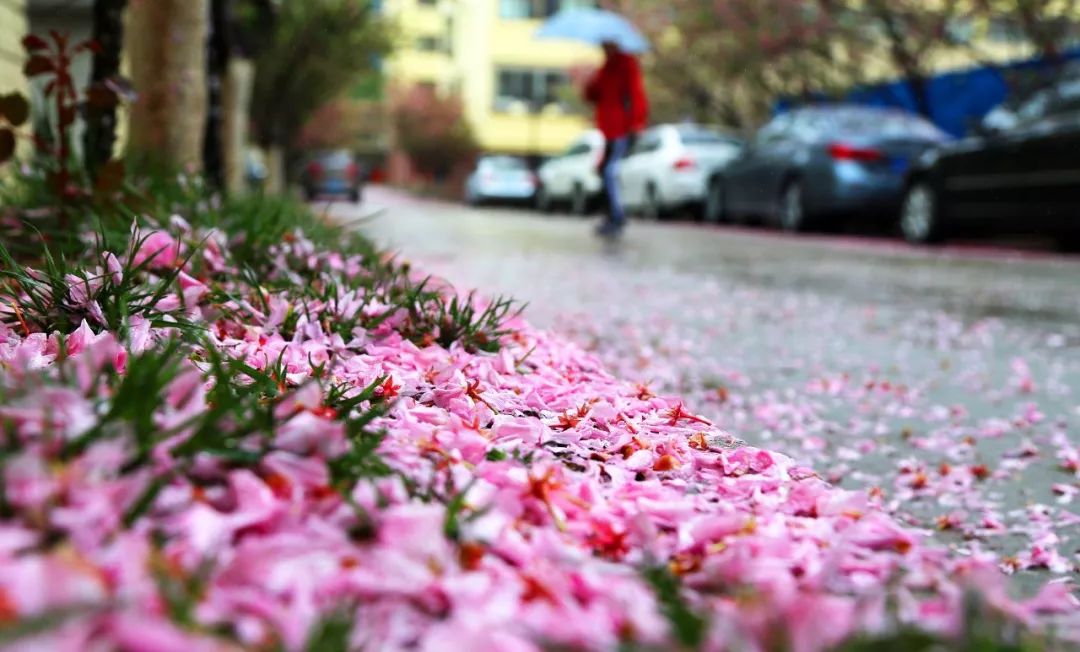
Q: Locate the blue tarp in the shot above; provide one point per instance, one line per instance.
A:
(956, 98)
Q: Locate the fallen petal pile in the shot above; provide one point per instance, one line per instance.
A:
(324, 465)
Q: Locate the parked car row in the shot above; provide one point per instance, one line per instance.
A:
(818, 168)
(814, 168)
(666, 169)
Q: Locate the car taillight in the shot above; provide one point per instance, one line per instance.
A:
(314, 170)
(845, 152)
(352, 171)
(685, 163)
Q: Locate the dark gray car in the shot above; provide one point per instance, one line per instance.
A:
(332, 172)
(814, 167)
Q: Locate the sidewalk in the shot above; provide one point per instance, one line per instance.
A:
(946, 386)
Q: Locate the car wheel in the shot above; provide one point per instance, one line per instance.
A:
(713, 210)
(793, 217)
(650, 204)
(579, 201)
(920, 217)
(543, 201)
(354, 195)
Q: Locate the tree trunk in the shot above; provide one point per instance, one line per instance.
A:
(1039, 33)
(167, 49)
(218, 54)
(108, 33)
(236, 103)
(275, 169)
(905, 60)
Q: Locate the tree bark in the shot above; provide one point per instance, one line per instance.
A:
(167, 48)
(108, 33)
(219, 53)
(236, 103)
(907, 61)
(275, 169)
(1038, 32)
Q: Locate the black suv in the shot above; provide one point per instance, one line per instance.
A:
(1020, 172)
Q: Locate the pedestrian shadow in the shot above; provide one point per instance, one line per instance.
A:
(614, 248)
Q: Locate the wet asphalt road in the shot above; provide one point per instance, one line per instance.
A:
(946, 381)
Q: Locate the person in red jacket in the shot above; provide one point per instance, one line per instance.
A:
(622, 110)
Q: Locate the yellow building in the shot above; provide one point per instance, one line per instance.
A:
(13, 26)
(511, 84)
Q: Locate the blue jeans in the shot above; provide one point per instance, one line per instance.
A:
(616, 152)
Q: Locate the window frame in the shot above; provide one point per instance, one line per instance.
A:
(537, 91)
(776, 130)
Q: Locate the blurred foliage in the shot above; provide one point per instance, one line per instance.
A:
(358, 125)
(317, 50)
(432, 130)
(729, 60)
(55, 187)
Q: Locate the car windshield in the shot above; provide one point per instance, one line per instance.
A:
(697, 135)
(504, 164)
(872, 122)
(337, 158)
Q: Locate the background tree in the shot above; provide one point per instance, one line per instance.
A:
(911, 35)
(108, 35)
(1049, 26)
(432, 131)
(344, 122)
(166, 44)
(318, 48)
(729, 60)
(218, 55)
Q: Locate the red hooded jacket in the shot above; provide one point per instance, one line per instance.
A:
(618, 92)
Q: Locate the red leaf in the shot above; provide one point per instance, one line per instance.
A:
(60, 39)
(37, 65)
(7, 144)
(89, 46)
(67, 116)
(33, 43)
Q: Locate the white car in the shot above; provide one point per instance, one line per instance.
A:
(500, 178)
(669, 166)
(572, 177)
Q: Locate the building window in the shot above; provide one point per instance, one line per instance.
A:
(430, 44)
(528, 87)
(538, 8)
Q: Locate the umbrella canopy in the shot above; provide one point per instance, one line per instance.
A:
(594, 26)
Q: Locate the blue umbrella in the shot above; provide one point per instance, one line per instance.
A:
(594, 26)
